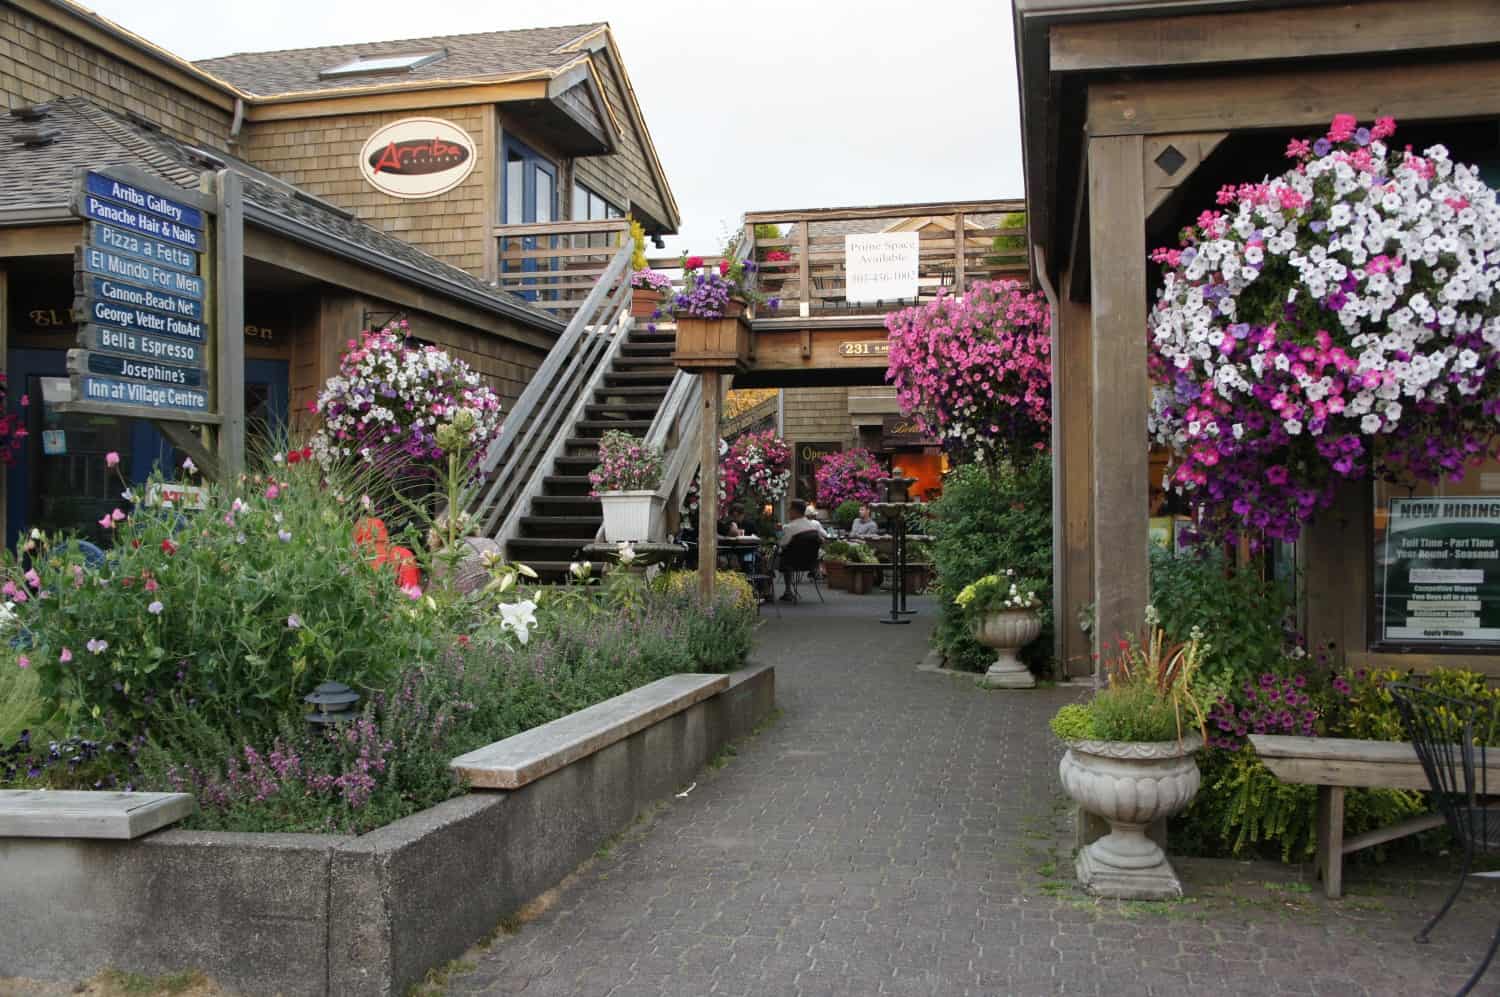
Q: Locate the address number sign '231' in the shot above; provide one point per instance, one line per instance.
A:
(417, 157)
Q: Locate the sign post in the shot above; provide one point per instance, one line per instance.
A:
(159, 276)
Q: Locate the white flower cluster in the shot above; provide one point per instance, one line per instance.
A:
(1403, 253)
(391, 394)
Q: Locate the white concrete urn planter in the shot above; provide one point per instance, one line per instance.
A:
(1007, 631)
(1130, 784)
(630, 516)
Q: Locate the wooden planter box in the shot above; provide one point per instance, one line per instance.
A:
(862, 578)
(712, 343)
(644, 302)
(838, 574)
(917, 577)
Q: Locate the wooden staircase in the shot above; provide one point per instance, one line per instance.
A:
(563, 516)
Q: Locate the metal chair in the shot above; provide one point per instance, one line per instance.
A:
(801, 553)
(1448, 735)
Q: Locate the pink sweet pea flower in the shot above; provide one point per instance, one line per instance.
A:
(112, 459)
(66, 656)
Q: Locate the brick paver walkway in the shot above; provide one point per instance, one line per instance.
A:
(898, 832)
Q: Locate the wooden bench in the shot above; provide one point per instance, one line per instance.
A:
(531, 754)
(1335, 764)
(57, 813)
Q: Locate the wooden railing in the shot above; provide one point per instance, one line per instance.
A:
(536, 429)
(957, 245)
(554, 265)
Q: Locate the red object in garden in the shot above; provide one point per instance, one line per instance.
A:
(371, 534)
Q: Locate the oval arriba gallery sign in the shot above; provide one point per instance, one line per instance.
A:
(417, 157)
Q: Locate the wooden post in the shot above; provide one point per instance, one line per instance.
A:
(804, 280)
(5, 366)
(708, 492)
(1337, 568)
(229, 299)
(1072, 533)
(1120, 390)
(960, 250)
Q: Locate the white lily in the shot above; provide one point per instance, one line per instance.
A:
(519, 618)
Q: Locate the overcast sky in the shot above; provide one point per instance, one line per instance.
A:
(774, 104)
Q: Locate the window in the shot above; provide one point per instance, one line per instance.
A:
(369, 65)
(588, 206)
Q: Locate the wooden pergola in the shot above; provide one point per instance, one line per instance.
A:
(1133, 113)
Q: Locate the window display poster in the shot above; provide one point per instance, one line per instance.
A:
(1440, 571)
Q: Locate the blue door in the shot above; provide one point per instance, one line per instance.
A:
(529, 197)
(60, 481)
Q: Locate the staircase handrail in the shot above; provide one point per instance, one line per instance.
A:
(538, 421)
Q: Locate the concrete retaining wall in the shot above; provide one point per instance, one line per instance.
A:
(318, 914)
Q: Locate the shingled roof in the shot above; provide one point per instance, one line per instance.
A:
(40, 178)
(485, 56)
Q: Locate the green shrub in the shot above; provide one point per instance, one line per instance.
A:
(850, 552)
(1133, 711)
(847, 512)
(1243, 618)
(987, 520)
(1073, 722)
(234, 611)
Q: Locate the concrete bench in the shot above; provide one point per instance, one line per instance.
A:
(526, 757)
(1335, 764)
(55, 813)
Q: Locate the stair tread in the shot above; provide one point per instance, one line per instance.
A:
(637, 408)
(614, 423)
(551, 543)
(632, 391)
(545, 520)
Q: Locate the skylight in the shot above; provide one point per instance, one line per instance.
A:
(365, 65)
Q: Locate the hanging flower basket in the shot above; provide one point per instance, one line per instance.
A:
(1333, 323)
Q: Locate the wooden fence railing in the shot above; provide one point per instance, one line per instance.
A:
(554, 265)
(958, 243)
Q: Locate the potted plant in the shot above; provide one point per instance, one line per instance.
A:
(648, 290)
(1129, 761)
(838, 558)
(709, 311)
(1003, 611)
(625, 483)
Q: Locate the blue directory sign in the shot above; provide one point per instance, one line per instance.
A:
(113, 391)
(142, 370)
(118, 293)
(143, 282)
(170, 209)
(107, 264)
(123, 342)
(126, 317)
(142, 248)
(124, 216)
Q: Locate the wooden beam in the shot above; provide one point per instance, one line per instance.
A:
(1306, 97)
(1121, 394)
(452, 93)
(229, 306)
(1315, 32)
(804, 283)
(41, 240)
(489, 138)
(917, 210)
(708, 490)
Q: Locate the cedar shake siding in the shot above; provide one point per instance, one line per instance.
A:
(624, 177)
(321, 156)
(40, 62)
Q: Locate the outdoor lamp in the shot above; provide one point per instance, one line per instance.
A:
(332, 702)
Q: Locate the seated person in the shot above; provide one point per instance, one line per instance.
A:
(795, 527)
(799, 523)
(865, 525)
(744, 526)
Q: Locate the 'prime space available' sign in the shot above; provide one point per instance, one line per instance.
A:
(1440, 580)
(880, 267)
